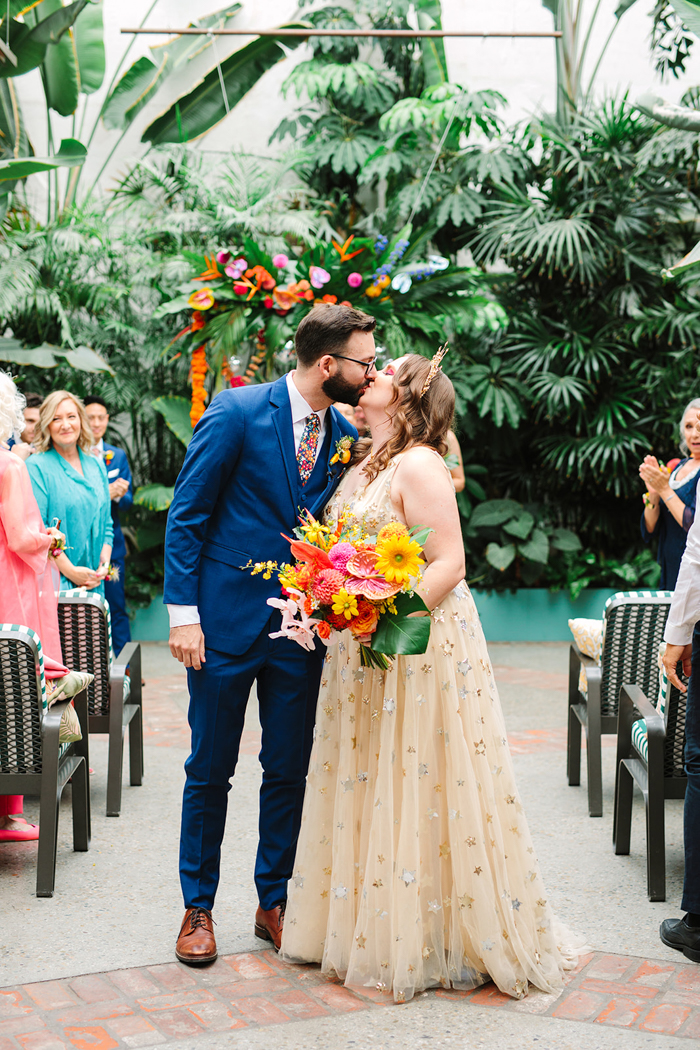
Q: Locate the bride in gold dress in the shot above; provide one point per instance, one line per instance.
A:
(415, 867)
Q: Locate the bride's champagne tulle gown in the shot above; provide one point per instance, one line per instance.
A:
(415, 867)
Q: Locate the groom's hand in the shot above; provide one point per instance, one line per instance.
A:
(187, 645)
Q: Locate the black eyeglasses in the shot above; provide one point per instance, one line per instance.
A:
(367, 367)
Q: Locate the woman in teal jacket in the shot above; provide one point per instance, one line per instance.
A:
(71, 484)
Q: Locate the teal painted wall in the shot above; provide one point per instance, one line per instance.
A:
(525, 616)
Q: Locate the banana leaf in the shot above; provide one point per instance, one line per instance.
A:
(60, 69)
(195, 113)
(29, 43)
(70, 155)
(403, 635)
(429, 14)
(176, 413)
(155, 497)
(82, 358)
(88, 39)
(146, 75)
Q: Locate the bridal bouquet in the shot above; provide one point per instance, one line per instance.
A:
(343, 578)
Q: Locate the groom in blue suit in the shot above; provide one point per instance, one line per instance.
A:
(259, 456)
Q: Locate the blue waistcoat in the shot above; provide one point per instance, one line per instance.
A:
(238, 491)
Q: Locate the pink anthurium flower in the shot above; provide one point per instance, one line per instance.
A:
(318, 276)
(280, 261)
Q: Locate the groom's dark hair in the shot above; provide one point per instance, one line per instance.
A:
(326, 330)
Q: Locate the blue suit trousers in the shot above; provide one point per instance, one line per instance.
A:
(691, 812)
(114, 593)
(288, 679)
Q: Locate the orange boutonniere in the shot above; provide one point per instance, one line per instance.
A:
(343, 450)
(109, 456)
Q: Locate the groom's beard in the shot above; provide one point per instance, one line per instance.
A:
(339, 389)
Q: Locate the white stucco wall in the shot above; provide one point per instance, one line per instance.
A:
(522, 70)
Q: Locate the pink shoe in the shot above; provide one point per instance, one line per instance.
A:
(27, 833)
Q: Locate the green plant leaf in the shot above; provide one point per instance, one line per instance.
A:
(176, 413)
(70, 155)
(565, 540)
(689, 11)
(536, 548)
(141, 81)
(494, 512)
(175, 306)
(520, 526)
(39, 356)
(203, 107)
(60, 68)
(499, 557)
(155, 497)
(88, 38)
(403, 635)
(87, 360)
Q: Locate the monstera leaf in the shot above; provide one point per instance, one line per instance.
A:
(176, 413)
(403, 635)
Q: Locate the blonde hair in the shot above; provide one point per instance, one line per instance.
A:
(42, 441)
(11, 407)
(419, 419)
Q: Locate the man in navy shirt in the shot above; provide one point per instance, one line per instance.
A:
(120, 491)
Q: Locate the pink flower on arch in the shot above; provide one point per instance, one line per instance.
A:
(355, 280)
(318, 276)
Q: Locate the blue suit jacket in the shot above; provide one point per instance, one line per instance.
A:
(238, 490)
(118, 467)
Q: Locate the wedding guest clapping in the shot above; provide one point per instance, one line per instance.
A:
(71, 485)
(669, 504)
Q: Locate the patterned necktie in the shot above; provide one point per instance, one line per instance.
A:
(306, 456)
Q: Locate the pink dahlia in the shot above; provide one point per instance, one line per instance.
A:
(340, 555)
(327, 583)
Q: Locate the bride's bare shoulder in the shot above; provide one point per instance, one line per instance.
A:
(420, 457)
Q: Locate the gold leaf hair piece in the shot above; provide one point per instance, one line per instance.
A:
(435, 367)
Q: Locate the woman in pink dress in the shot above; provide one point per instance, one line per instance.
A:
(27, 595)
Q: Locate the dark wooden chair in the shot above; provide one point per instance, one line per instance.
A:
(634, 623)
(32, 760)
(650, 746)
(114, 698)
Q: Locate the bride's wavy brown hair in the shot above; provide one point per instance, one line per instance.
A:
(418, 420)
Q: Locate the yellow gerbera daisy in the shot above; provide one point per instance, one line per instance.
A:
(345, 604)
(399, 559)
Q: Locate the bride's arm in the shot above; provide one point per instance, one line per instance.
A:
(423, 493)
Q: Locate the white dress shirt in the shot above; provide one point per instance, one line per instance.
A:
(685, 607)
(181, 615)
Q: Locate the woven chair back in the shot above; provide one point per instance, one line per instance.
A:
(675, 733)
(634, 627)
(85, 642)
(22, 700)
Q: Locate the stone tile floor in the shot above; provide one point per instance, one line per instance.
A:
(156, 1004)
(630, 992)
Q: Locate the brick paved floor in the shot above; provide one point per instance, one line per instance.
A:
(156, 1004)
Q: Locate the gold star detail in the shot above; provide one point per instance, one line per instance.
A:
(327, 871)
(380, 858)
(427, 952)
(510, 800)
(326, 767)
(361, 941)
(471, 841)
(328, 709)
(489, 818)
(438, 787)
(378, 884)
(324, 683)
(411, 750)
(324, 893)
(444, 849)
(465, 901)
(540, 903)
(353, 741)
(477, 871)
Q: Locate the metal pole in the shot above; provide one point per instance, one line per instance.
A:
(284, 31)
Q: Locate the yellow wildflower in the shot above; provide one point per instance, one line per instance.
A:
(399, 559)
(345, 604)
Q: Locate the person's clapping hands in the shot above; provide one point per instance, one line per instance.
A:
(655, 477)
(118, 488)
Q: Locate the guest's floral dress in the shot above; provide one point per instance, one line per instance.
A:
(415, 867)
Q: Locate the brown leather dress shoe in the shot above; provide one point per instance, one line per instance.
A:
(196, 943)
(268, 924)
